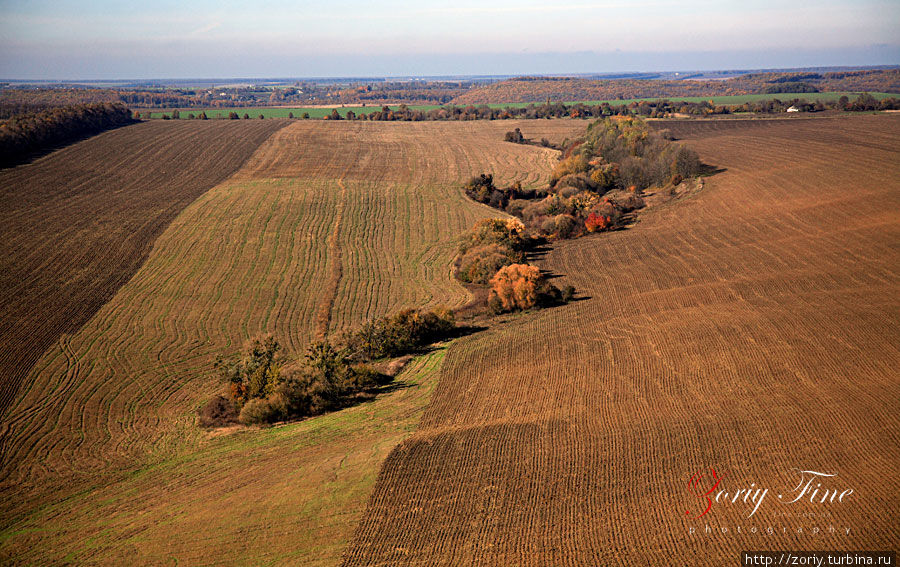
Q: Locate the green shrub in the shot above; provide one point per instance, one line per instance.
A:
(261, 410)
(478, 264)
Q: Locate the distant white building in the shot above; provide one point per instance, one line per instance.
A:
(792, 109)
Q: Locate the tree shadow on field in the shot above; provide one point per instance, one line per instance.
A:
(707, 170)
(394, 386)
(539, 251)
(464, 331)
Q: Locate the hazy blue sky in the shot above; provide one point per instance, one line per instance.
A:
(94, 39)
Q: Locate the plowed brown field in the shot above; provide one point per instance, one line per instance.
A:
(75, 225)
(326, 225)
(752, 327)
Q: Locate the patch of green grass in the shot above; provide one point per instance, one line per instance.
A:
(312, 477)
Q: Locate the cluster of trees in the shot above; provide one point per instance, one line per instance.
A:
(494, 253)
(485, 112)
(30, 99)
(595, 186)
(264, 386)
(863, 102)
(418, 92)
(489, 246)
(28, 134)
(461, 94)
(515, 137)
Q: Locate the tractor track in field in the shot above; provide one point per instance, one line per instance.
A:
(323, 320)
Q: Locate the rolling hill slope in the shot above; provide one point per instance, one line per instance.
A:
(752, 327)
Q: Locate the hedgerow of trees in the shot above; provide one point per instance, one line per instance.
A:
(265, 386)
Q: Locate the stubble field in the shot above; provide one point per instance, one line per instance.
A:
(78, 223)
(752, 327)
(326, 225)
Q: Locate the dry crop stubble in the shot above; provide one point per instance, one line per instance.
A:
(115, 401)
(751, 327)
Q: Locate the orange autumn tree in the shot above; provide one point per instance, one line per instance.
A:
(520, 287)
(596, 223)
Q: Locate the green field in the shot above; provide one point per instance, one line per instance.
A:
(269, 112)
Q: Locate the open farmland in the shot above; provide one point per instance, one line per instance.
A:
(752, 327)
(78, 223)
(326, 225)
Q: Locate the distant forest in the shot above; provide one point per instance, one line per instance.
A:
(527, 89)
(458, 93)
(30, 134)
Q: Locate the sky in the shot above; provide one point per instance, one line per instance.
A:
(106, 39)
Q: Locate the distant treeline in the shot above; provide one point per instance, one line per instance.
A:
(27, 134)
(302, 92)
(650, 109)
(530, 89)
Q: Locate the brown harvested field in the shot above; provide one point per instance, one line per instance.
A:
(326, 225)
(76, 224)
(752, 327)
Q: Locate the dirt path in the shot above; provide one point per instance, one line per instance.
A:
(334, 278)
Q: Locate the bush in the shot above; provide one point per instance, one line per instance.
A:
(490, 244)
(478, 264)
(260, 410)
(576, 163)
(580, 181)
(685, 163)
(605, 176)
(596, 222)
(515, 137)
(257, 374)
(565, 226)
(480, 187)
(548, 225)
(520, 287)
(218, 412)
(515, 207)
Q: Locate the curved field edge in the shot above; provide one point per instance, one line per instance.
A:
(250, 256)
(78, 223)
(751, 327)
